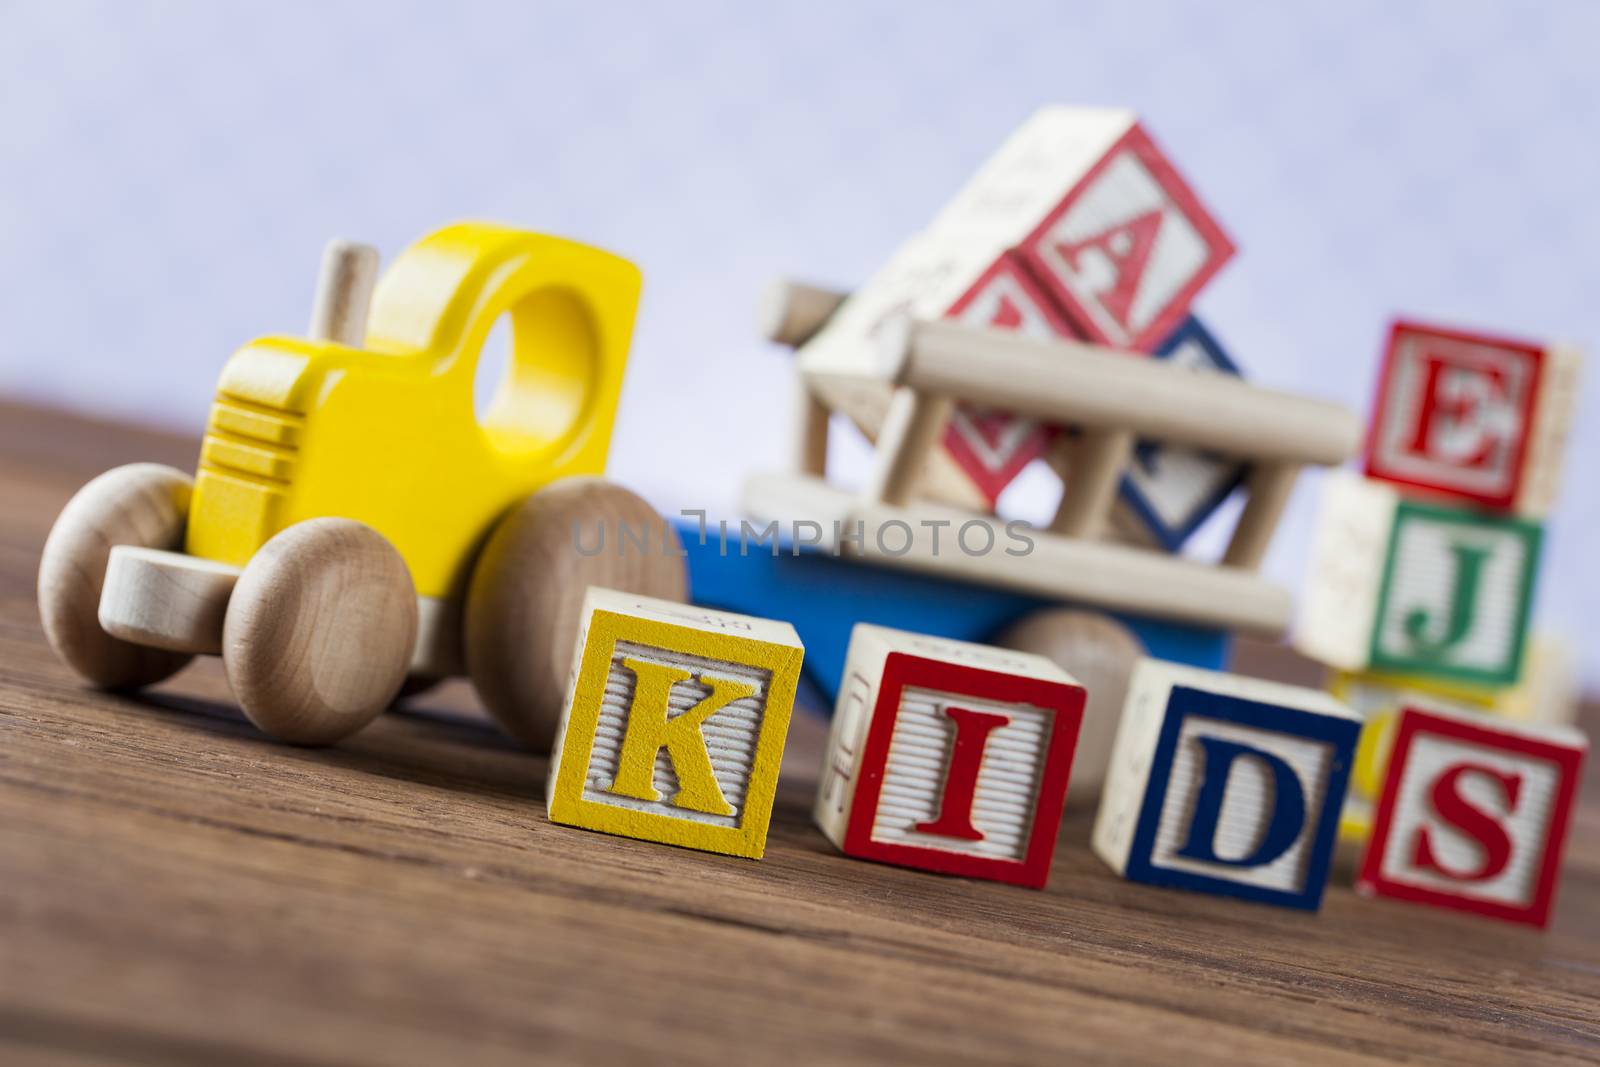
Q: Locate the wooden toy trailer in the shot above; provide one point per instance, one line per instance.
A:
(1113, 401)
(1091, 605)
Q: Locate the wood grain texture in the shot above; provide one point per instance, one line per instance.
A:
(179, 889)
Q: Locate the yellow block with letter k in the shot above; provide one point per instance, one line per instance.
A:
(674, 724)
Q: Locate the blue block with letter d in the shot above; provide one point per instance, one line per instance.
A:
(1225, 784)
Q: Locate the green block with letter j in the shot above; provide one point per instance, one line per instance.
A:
(1456, 594)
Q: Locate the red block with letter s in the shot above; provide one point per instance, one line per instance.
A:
(1473, 417)
(1474, 814)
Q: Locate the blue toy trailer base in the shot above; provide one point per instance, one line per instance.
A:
(824, 596)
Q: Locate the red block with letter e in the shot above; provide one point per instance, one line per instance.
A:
(1113, 233)
(1473, 417)
(949, 756)
(1474, 814)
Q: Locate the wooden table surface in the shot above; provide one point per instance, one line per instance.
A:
(175, 888)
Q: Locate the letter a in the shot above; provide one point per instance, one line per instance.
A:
(1126, 246)
(650, 730)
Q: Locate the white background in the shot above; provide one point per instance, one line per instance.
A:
(168, 173)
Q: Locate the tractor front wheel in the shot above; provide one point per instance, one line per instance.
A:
(319, 631)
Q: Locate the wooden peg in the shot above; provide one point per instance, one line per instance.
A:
(344, 293)
(811, 431)
(915, 422)
(1097, 460)
(166, 599)
(791, 313)
(1269, 486)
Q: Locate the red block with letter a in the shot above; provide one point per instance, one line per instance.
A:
(1113, 233)
(949, 756)
(1474, 814)
(1473, 417)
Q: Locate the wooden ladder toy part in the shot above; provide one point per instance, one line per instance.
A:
(791, 313)
(1113, 400)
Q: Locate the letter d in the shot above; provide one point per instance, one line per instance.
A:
(1284, 823)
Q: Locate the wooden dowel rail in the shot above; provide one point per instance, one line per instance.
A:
(791, 313)
(1087, 385)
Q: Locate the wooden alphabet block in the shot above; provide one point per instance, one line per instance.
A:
(1473, 418)
(1079, 228)
(674, 723)
(1419, 589)
(949, 756)
(1114, 235)
(1548, 694)
(1474, 814)
(1169, 490)
(1226, 785)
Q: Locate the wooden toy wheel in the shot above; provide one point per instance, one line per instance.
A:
(528, 587)
(142, 504)
(319, 631)
(1100, 653)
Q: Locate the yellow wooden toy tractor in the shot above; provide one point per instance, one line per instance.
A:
(353, 522)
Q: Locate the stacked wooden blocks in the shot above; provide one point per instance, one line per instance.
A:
(1078, 227)
(1420, 597)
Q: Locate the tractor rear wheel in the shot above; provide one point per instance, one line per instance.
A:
(528, 586)
(143, 504)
